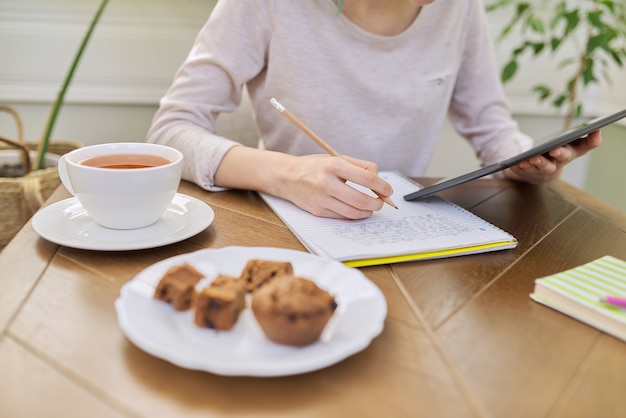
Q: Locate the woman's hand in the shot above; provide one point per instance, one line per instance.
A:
(317, 183)
(545, 168)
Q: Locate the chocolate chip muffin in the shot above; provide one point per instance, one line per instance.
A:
(292, 310)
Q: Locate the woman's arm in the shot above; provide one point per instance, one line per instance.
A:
(316, 183)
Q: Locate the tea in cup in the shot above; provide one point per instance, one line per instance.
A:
(123, 185)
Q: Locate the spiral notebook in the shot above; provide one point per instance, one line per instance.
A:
(417, 230)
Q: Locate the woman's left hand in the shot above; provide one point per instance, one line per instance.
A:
(547, 167)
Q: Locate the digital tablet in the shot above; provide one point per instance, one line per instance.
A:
(542, 146)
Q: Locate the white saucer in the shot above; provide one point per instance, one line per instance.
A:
(67, 223)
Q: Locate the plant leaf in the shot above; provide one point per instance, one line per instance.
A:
(588, 73)
(573, 19)
(538, 47)
(522, 8)
(616, 58)
(578, 110)
(558, 102)
(509, 70)
(567, 61)
(543, 91)
(496, 5)
(535, 24)
(595, 19)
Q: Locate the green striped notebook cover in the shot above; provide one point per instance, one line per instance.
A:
(578, 293)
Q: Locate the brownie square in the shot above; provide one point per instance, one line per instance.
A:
(177, 286)
(219, 305)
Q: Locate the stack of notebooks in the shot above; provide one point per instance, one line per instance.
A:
(584, 293)
(417, 230)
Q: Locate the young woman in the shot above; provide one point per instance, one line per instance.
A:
(376, 79)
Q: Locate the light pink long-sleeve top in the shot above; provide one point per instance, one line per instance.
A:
(378, 98)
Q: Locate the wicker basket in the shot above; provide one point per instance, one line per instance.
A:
(21, 197)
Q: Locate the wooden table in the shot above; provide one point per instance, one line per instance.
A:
(462, 337)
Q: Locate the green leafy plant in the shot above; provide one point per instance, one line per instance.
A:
(42, 147)
(593, 30)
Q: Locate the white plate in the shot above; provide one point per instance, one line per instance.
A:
(67, 223)
(155, 327)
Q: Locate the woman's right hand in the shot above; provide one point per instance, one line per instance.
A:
(317, 183)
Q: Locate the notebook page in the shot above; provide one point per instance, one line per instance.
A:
(415, 227)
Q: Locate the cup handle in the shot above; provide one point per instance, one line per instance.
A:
(64, 175)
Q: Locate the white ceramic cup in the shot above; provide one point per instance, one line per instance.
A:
(122, 198)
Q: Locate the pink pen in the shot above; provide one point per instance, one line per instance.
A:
(615, 301)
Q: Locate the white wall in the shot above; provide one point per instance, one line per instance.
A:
(131, 58)
(130, 61)
(134, 53)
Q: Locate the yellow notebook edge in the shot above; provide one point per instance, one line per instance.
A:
(474, 249)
